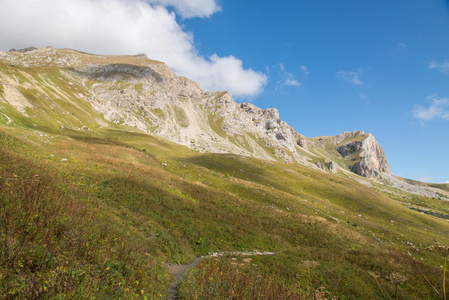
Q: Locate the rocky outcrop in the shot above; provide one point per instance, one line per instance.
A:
(146, 94)
(332, 166)
(414, 189)
(135, 91)
(365, 154)
(24, 49)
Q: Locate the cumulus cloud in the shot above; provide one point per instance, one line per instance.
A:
(190, 8)
(127, 27)
(438, 109)
(441, 66)
(351, 77)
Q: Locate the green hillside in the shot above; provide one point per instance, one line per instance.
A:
(98, 216)
(95, 209)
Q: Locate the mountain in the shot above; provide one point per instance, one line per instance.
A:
(114, 172)
(146, 94)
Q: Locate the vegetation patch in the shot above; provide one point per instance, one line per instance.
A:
(430, 212)
(181, 116)
(97, 212)
(159, 113)
(216, 124)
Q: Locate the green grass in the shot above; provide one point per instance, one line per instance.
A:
(56, 104)
(189, 207)
(97, 213)
(181, 116)
(442, 186)
(216, 124)
(139, 88)
(56, 241)
(159, 113)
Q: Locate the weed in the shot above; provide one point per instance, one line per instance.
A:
(53, 245)
(310, 264)
(109, 215)
(444, 252)
(396, 279)
(375, 276)
(235, 279)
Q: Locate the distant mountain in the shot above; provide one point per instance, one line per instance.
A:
(58, 89)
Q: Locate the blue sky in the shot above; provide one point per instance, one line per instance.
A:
(334, 66)
(327, 66)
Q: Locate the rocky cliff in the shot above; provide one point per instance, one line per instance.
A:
(368, 156)
(145, 94)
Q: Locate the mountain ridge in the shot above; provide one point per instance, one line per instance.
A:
(94, 206)
(64, 89)
(143, 93)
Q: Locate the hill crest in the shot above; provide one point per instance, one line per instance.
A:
(135, 91)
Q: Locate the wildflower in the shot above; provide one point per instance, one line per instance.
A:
(311, 264)
(247, 260)
(396, 278)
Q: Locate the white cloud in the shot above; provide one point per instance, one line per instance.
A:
(126, 27)
(425, 179)
(291, 81)
(288, 79)
(351, 77)
(442, 67)
(226, 73)
(305, 71)
(190, 8)
(438, 109)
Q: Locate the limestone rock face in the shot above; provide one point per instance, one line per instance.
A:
(368, 156)
(332, 166)
(136, 91)
(132, 90)
(179, 110)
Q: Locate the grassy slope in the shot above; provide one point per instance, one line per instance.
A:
(56, 103)
(121, 211)
(97, 212)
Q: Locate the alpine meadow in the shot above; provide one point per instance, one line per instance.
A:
(116, 174)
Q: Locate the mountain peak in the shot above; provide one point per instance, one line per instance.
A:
(132, 90)
(366, 153)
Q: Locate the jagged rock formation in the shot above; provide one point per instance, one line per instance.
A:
(23, 50)
(356, 151)
(368, 155)
(146, 94)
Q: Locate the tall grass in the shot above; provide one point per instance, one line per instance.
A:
(102, 223)
(53, 245)
(234, 279)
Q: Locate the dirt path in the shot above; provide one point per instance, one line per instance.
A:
(179, 270)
